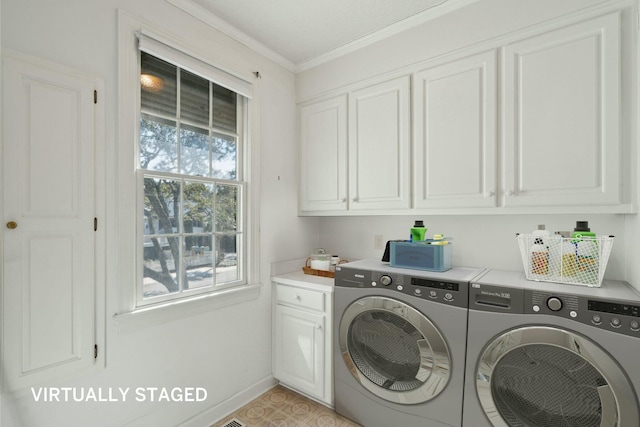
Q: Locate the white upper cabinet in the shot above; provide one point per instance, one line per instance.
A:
(323, 155)
(455, 133)
(379, 146)
(561, 116)
(363, 166)
(528, 122)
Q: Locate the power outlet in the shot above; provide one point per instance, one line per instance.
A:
(378, 242)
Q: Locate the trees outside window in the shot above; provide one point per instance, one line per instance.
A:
(192, 191)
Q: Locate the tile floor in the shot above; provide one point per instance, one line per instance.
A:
(281, 407)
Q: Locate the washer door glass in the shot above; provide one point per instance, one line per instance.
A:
(547, 377)
(394, 350)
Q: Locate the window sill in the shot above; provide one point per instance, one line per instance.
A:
(163, 313)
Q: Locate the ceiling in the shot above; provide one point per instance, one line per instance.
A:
(299, 32)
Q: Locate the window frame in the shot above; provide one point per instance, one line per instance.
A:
(125, 222)
(180, 233)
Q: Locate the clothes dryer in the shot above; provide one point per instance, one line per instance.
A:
(547, 355)
(399, 344)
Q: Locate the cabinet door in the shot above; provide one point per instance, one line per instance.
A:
(379, 132)
(561, 116)
(323, 155)
(48, 171)
(299, 350)
(455, 133)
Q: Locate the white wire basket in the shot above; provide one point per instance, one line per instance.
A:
(574, 261)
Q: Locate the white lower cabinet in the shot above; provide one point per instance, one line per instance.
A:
(302, 340)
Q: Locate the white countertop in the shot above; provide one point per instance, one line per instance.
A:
(298, 278)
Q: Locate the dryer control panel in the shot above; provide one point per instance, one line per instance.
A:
(437, 289)
(613, 315)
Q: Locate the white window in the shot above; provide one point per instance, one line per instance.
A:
(192, 186)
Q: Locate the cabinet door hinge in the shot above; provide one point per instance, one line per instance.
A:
(95, 351)
(95, 224)
(95, 96)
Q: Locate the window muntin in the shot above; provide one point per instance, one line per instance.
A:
(192, 196)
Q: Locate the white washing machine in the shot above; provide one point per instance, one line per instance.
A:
(399, 344)
(548, 355)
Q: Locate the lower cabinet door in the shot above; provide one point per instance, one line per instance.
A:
(299, 350)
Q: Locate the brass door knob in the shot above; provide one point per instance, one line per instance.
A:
(11, 225)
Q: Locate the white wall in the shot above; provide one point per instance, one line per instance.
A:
(227, 350)
(483, 240)
(478, 241)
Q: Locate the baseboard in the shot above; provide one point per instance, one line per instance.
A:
(230, 405)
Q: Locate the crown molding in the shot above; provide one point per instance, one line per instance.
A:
(400, 26)
(223, 26)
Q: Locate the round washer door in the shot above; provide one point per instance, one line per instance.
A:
(393, 350)
(540, 376)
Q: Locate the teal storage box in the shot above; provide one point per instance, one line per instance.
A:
(421, 256)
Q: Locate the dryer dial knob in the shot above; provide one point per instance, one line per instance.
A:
(386, 280)
(554, 304)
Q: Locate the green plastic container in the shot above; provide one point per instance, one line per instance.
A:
(418, 231)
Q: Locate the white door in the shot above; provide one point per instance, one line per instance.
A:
(299, 352)
(455, 133)
(48, 210)
(562, 118)
(323, 155)
(379, 146)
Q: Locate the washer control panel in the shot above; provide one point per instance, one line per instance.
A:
(439, 290)
(617, 316)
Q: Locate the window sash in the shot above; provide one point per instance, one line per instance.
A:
(181, 234)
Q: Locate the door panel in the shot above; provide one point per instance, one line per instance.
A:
(300, 350)
(323, 155)
(379, 144)
(562, 116)
(455, 124)
(48, 171)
